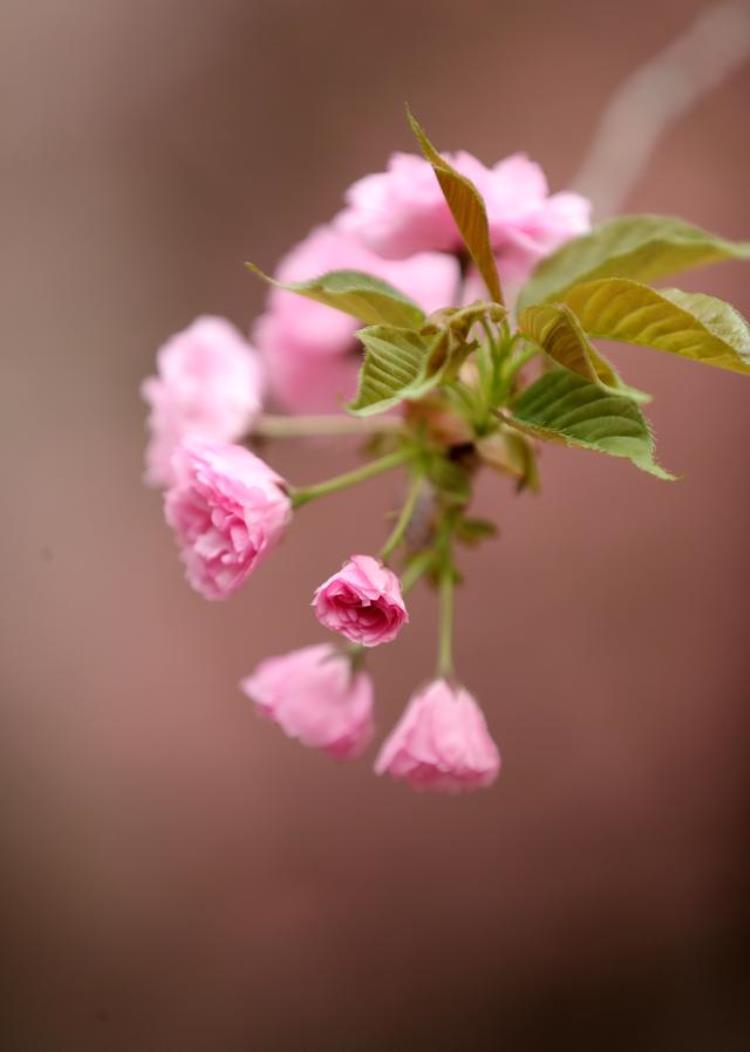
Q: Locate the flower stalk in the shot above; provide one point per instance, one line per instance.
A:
(334, 425)
(447, 587)
(350, 478)
(402, 523)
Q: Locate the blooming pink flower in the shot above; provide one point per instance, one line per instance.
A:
(309, 349)
(441, 742)
(314, 696)
(402, 211)
(210, 384)
(362, 601)
(228, 510)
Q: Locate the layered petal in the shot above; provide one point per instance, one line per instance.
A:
(315, 697)
(441, 743)
(209, 384)
(362, 602)
(310, 350)
(402, 211)
(228, 510)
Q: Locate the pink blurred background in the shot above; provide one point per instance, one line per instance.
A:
(177, 876)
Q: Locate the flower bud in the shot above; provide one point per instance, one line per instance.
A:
(314, 696)
(441, 743)
(362, 601)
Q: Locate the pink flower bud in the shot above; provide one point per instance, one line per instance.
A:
(315, 697)
(210, 385)
(228, 510)
(441, 742)
(362, 601)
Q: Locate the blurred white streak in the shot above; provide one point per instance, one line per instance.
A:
(656, 96)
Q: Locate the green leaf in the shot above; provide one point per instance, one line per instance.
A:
(403, 364)
(399, 363)
(510, 453)
(556, 329)
(468, 210)
(363, 296)
(450, 480)
(644, 248)
(562, 406)
(689, 324)
(472, 531)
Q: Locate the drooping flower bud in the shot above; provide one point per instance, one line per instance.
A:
(441, 742)
(362, 601)
(314, 696)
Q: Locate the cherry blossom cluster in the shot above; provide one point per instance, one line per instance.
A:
(464, 275)
(229, 509)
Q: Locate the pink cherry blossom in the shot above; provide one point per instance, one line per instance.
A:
(315, 697)
(402, 211)
(310, 350)
(228, 510)
(441, 742)
(209, 384)
(362, 601)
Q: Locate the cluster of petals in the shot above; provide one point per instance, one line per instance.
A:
(310, 350)
(314, 696)
(441, 743)
(209, 385)
(228, 510)
(362, 601)
(402, 211)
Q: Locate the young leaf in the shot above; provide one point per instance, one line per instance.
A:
(562, 406)
(451, 483)
(556, 328)
(472, 531)
(468, 210)
(511, 453)
(689, 324)
(399, 363)
(644, 248)
(363, 296)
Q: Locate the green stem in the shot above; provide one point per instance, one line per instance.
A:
(417, 568)
(521, 360)
(350, 478)
(402, 523)
(487, 358)
(512, 366)
(267, 426)
(356, 654)
(445, 632)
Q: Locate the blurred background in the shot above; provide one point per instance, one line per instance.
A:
(179, 877)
